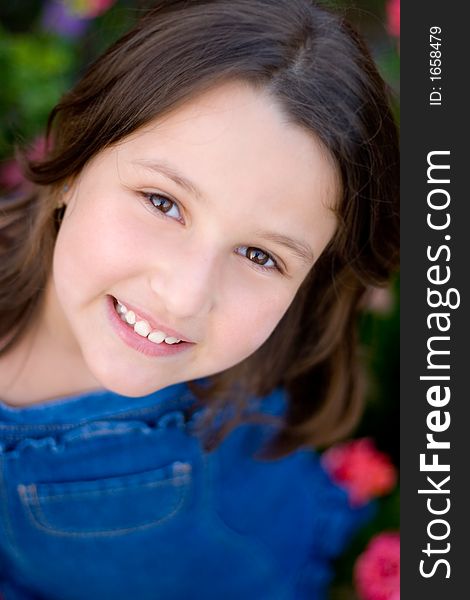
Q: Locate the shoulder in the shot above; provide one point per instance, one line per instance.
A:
(288, 511)
(289, 502)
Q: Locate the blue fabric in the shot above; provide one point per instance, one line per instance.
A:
(108, 497)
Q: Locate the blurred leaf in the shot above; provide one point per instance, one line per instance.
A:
(36, 71)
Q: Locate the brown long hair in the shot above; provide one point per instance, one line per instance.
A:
(321, 73)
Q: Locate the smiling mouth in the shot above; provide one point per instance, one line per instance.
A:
(142, 327)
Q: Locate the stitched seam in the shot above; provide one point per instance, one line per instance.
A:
(46, 526)
(111, 490)
(168, 404)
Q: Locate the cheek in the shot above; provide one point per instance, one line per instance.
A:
(250, 320)
(94, 248)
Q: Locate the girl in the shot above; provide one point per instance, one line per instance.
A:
(178, 305)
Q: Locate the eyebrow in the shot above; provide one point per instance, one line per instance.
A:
(167, 171)
(301, 250)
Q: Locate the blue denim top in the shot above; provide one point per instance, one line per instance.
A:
(104, 496)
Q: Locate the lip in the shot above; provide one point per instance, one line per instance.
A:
(155, 326)
(139, 343)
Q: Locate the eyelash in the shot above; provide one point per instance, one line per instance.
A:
(262, 267)
(148, 197)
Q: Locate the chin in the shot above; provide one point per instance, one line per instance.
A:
(125, 383)
(132, 390)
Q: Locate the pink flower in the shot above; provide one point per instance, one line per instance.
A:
(38, 148)
(89, 9)
(377, 569)
(360, 469)
(378, 300)
(11, 177)
(393, 17)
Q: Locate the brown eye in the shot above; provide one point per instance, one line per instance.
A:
(160, 202)
(163, 205)
(257, 256)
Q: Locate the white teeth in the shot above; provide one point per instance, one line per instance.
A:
(156, 337)
(142, 328)
(130, 317)
(121, 309)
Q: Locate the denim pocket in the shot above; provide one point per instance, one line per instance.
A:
(110, 506)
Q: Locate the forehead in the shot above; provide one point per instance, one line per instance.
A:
(249, 123)
(241, 150)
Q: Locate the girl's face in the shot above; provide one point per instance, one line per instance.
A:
(204, 224)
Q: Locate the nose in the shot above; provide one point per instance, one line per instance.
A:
(185, 279)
